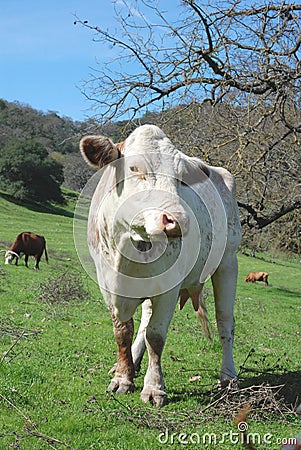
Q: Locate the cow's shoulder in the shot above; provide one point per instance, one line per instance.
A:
(222, 177)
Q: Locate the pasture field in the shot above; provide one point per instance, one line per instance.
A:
(57, 345)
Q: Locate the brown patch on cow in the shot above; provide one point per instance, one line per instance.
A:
(198, 305)
(123, 332)
(93, 233)
(141, 176)
(185, 294)
(120, 146)
(138, 172)
(106, 227)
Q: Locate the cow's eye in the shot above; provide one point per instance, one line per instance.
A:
(134, 169)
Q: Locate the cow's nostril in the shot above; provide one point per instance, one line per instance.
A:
(168, 222)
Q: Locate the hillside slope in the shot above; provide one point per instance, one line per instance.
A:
(19, 121)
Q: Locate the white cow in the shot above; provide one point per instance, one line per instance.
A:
(160, 223)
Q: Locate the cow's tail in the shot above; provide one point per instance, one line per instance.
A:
(203, 318)
(46, 255)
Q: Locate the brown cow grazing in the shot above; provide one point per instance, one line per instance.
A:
(28, 244)
(257, 276)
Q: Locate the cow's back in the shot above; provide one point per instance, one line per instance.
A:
(33, 244)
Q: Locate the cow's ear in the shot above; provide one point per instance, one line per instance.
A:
(98, 150)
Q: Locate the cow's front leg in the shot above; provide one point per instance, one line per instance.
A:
(162, 310)
(139, 346)
(123, 381)
(224, 287)
(36, 267)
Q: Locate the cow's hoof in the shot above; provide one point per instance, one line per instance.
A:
(121, 387)
(155, 396)
(231, 383)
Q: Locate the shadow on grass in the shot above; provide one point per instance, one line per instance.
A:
(268, 259)
(283, 290)
(291, 381)
(39, 207)
(287, 387)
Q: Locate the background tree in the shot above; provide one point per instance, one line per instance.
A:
(232, 66)
(76, 172)
(28, 172)
(267, 177)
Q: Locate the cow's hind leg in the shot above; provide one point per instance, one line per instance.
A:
(162, 310)
(265, 279)
(224, 287)
(38, 259)
(123, 383)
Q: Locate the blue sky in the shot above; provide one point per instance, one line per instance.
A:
(45, 57)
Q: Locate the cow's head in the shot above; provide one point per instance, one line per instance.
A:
(10, 256)
(153, 174)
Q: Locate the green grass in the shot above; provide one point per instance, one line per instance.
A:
(54, 358)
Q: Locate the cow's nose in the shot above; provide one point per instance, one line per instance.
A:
(173, 225)
(168, 222)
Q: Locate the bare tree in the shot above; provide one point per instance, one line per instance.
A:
(212, 49)
(241, 59)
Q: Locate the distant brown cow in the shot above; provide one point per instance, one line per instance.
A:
(28, 244)
(257, 276)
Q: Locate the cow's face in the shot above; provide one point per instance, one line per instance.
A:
(151, 185)
(9, 257)
(150, 176)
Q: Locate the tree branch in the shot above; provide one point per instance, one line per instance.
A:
(262, 222)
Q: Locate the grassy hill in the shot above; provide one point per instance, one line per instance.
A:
(57, 345)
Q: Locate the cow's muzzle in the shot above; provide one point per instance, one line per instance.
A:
(10, 255)
(172, 224)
